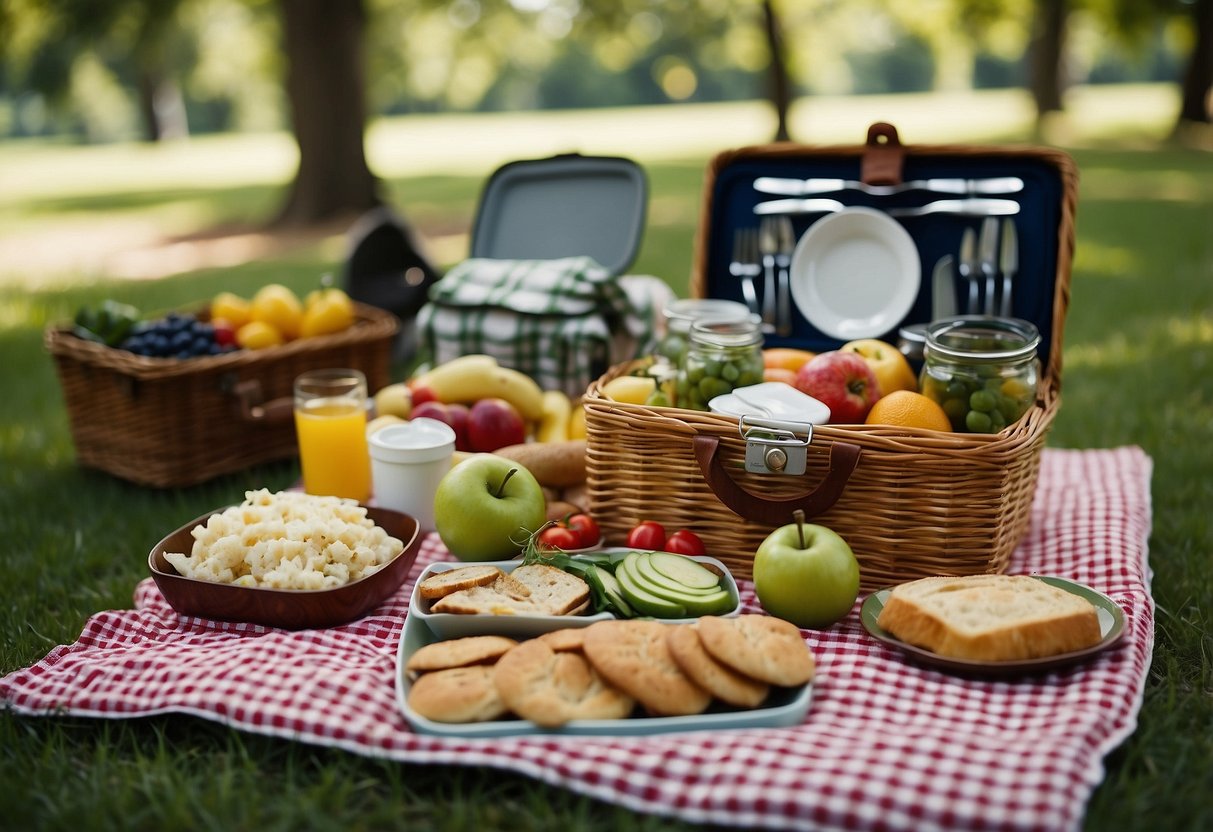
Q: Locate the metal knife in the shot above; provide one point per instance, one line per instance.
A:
(1008, 263)
(987, 252)
(943, 290)
(818, 185)
(962, 207)
(969, 268)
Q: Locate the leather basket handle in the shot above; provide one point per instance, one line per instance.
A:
(843, 458)
(883, 156)
(258, 412)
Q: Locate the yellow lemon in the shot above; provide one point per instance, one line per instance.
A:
(330, 312)
(903, 408)
(629, 389)
(231, 308)
(278, 306)
(257, 335)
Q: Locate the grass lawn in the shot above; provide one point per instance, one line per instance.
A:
(1138, 370)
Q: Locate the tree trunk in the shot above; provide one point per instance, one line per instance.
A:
(325, 87)
(781, 92)
(161, 107)
(1198, 78)
(1047, 56)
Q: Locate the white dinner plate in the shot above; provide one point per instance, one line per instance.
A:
(855, 274)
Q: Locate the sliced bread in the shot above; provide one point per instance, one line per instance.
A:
(553, 590)
(990, 617)
(440, 584)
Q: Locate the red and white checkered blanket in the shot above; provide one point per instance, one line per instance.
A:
(886, 744)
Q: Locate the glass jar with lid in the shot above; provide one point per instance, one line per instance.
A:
(721, 355)
(982, 370)
(680, 314)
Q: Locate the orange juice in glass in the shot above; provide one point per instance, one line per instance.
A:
(330, 422)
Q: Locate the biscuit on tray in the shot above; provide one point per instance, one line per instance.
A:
(458, 694)
(459, 652)
(718, 679)
(633, 656)
(550, 688)
(570, 638)
(759, 646)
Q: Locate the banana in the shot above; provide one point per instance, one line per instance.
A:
(468, 379)
(554, 424)
(454, 367)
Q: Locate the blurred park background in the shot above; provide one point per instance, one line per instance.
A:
(321, 108)
(160, 151)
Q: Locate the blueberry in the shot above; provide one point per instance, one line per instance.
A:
(200, 345)
(202, 328)
(214, 349)
(181, 340)
(158, 344)
(183, 354)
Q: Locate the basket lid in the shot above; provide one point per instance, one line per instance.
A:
(563, 206)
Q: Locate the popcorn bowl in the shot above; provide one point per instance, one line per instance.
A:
(290, 609)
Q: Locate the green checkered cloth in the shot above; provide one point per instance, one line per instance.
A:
(562, 322)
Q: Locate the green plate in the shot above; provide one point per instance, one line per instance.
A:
(1111, 626)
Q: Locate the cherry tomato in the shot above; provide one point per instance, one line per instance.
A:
(647, 535)
(558, 537)
(585, 527)
(685, 542)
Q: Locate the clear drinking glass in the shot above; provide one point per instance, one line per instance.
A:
(330, 422)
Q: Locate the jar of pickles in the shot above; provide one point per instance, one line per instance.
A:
(982, 370)
(720, 356)
(680, 314)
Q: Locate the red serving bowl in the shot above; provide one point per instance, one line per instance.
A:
(290, 609)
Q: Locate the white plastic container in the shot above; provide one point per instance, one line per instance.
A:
(407, 463)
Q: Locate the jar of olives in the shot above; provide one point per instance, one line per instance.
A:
(680, 314)
(982, 370)
(721, 355)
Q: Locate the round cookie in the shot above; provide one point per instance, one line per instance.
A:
(458, 694)
(759, 646)
(721, 681)
(570, 638)
(550, 688)
(633, 656)
(458, 652)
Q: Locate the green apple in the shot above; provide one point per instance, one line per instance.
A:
(486, 507)
(806, 574)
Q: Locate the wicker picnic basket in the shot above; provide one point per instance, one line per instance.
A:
(166, 422)
(910, 502)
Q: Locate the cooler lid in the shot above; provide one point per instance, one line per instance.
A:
(563, 206)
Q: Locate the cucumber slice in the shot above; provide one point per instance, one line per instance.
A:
(683, 570)
(611, 591)
(653, 578)
(641, 599)
(717, 603)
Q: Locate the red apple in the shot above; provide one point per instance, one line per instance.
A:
(843, 381)
(455, 415)
(421, 393)
(493, 424)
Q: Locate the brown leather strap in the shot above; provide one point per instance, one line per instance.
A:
(256, 411)
(843, 458)
(883, 157)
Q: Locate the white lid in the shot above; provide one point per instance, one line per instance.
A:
(419, 440)
(774, 401)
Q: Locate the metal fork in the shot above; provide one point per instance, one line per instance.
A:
(768, 244)
(783, 261)
(744, 264)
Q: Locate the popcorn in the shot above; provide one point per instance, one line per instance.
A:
(287, 540)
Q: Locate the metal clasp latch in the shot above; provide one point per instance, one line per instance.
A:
(774, 447)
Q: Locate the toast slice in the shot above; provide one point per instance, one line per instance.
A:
(553, 590)
(493, 599)
(441, 584)
(990, 617)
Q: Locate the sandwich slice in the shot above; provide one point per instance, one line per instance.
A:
(990, 618)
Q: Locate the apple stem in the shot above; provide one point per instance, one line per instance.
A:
(501, 488)
(798, 516)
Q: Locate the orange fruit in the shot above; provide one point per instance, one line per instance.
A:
(278, 306)
(779, 374)
(257, 335)
(903, 408)
(231, 308)
(785, 358)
